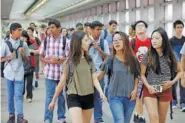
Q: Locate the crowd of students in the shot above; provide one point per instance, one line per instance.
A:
(82, 67)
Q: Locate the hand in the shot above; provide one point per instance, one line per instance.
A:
(102, 96)
(151, 90)
(133, 95)
(21, 50)
(167, 84)
(51, 106)
(12, 56)
(96, 45)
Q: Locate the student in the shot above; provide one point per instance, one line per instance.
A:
(132, 33)
(14, 72)
(123, 66)
(140, 45)
(80, 92)
(34, 26)
(29, 68)
(52, 54)
(107, 33)
(99, 50)
(183, 77)
(36, 42)
(64, 32)
(87, 28)
(158, 69)
(177, 42)
(79, 27)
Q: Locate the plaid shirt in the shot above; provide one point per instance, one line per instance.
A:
(53, 48)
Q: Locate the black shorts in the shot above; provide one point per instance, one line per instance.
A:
(84, 102)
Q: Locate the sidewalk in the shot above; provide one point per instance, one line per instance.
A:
(34, 112)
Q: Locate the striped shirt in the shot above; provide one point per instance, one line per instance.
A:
(155, 79)
(54, 48)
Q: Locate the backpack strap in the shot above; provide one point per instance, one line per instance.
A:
(9, 45)
(64, 43)
(105, 34)
(102, 44)
(133, 43)
(71, 71)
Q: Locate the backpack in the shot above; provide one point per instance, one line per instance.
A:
(64, 43)
(105, 34)
(3, 65)
(71, 72)
(101, 44)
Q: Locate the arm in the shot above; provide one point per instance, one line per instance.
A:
(179, 73)
(104, 55)
(183, 68)
(96, 83)
(51, 60)
(4, 59)
(60, 86)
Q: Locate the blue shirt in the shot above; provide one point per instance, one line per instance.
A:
(96, 56)
(108, 37)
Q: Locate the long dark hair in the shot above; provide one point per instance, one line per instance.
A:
(75, 48)
(153, 57)
(25, 34)
(130, 59)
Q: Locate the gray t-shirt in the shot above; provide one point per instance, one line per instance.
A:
(155, 79)
(122, 80)
(183, 50)
(14, 70)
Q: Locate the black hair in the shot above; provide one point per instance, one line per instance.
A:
(153, 57)
(113, 22)
(25, 34)
(87, 24)
(14, 26)
(140, 21)
(95, 24)
(132, 26)
(72, 29)
(178, 22)
(79, 25)
(32, 23)
(31, 28)
(55, 22)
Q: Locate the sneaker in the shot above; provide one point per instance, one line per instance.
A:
(61, 121)
(183, 107)
(36, 84)
(174, 104)
(29, 100)
(21, 120)
(136, 118)
(47, 121)
(99, 121)
(141, 120)
(11, 119)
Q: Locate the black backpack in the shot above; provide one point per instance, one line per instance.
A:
(3, 65)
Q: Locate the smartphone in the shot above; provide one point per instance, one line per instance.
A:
(158, 88)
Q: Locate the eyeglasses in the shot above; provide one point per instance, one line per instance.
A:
(117, 40)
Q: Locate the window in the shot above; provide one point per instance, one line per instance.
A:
(127, 6)
(127, 29)
(127, 17)
(137, 3)
(150, 2)
(138, 17)
(168, 12)
(109, 8)
(117, 6)
(183, 10)
(151, 14)
(169, 29)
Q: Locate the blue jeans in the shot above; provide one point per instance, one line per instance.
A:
(121, 109)
(15, 89)
(50, 90)
(98, 113)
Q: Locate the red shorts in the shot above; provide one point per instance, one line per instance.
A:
(164, 96)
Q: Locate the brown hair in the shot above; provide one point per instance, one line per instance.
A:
(130, 59)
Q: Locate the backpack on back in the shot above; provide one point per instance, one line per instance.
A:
(10, 47)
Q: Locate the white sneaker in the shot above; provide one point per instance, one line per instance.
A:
(29, 100)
